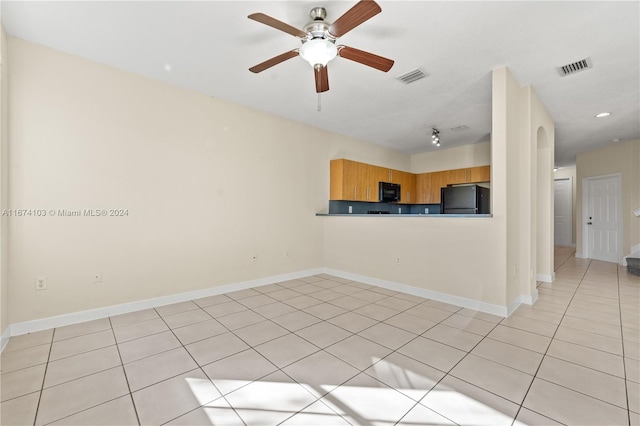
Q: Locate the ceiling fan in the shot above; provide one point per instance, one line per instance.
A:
(318, 41)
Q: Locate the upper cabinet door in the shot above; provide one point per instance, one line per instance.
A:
(424, 191)
(480, 174)
(359, 178)
(439, 180)
(407, 187)
(348, 180)
(458, 176)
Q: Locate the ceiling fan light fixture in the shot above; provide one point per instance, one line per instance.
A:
(318, 51)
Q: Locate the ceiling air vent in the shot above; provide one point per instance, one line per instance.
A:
(412, 76)
(581, 65)
(460, 128)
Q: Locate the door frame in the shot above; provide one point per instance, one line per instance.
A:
(571, 208)
(585, 213)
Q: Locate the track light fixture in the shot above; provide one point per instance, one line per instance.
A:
(435, 137)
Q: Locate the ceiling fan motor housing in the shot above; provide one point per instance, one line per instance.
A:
(318, 27)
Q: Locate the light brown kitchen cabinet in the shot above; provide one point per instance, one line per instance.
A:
(353, 181)
(407, 183)
(456, 176)
(438, 180)
(378, 174)
(469, 175)
(424, 193)
(428, 186)
(480, 174)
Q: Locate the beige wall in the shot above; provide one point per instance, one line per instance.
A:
(522, 165)
(623, 158)
(478, 154)
(570, 172)
(207, 184)
(4, 174)
(455, 256)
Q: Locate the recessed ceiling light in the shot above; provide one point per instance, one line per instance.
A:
(555, 169)
(616, 140)
(602, 114)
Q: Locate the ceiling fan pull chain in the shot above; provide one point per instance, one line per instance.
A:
(319, 103)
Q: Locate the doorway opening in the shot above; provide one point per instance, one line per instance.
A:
(563, 212)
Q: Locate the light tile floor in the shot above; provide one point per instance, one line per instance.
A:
(326, 351)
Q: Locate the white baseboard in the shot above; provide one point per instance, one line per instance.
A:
(522, 299)
(5, 338)
(421, 292)
(108, 311)
(546, 278)
(580, 255)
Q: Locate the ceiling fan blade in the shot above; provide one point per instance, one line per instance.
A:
(365, 58)
(274, 61)
(322, 79)
(361, 12)
(278, 25)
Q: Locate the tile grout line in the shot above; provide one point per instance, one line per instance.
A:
(624, 364)
(124, 371)
(44, 376)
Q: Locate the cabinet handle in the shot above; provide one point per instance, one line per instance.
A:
(355, 192)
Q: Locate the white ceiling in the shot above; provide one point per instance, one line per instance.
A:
(208, 46)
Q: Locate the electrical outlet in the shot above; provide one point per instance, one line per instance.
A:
(398, 260)
(97, 277)
(350, 209)
(254, 258)
(426, 210)
(286, 253)
(41, 283)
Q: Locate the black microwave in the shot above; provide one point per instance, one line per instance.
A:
(389, 192)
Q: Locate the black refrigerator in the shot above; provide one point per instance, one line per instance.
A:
(466, 199)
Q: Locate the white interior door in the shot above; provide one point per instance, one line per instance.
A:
(603, 218)
(563, 212)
